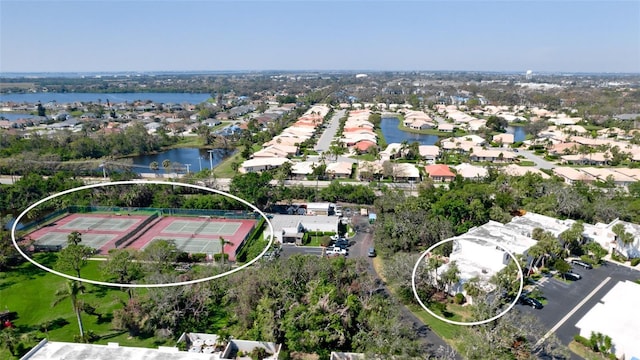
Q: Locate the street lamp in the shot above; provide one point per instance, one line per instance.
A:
(211, 160)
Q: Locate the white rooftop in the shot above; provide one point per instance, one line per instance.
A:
(56, 350)
(616, 315)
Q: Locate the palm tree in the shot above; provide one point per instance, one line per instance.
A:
(71, 291)
(74, 238)
(622, 234)
(223, 242)
(154, 167)
(166, 164)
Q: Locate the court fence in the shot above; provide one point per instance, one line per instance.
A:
(43, 220)
(130, 235)
(252, 236)
(225, 214)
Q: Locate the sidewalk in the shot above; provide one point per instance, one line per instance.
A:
(626, 264)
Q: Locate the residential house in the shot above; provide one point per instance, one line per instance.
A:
(369, 170)
(430, 153)
(439, 173)
(405, 172)
(445, 127)
(517, 170)
(262, 164)
(363, 146)
(504, 139)
(571, 175)
(339, 170)
(473, 172)
(491, 155)
(607, 174)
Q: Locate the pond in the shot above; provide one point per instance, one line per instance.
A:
(197, 159)
(392, 134)
(389, 127)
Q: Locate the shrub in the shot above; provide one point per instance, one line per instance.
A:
(199, 257)
(459, 298)
(582, 340)
(617, 257)
(635, 261)
(588, 259)
(218, 257)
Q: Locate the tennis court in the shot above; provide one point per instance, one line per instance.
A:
(198, 235)
(95, 241)
(97, 231)
(104, 223)
(202, 227)
(193, 245)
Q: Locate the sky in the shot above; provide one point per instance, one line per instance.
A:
(174, 35)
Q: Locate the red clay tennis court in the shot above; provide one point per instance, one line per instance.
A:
(105, 232)
(199, 234)
(98, 230)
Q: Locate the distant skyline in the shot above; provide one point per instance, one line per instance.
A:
(172, 35)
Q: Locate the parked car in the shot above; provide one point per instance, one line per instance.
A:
(570, 275)
(342, 244)
(371, 252)
(582, 264)
(336, 251)
(526, 300)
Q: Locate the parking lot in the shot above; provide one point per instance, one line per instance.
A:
(569, 301)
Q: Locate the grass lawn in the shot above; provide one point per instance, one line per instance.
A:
(445, 330)
(224, 169)
(31, 292)
(584, 352)
(317, 240)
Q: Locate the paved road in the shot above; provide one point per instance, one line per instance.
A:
(564, 297)
(540, 162)
(330, 132)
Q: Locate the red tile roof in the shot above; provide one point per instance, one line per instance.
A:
(439, 170)
(364, 145)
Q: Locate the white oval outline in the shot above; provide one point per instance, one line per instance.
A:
(473, 323)
(138, 182)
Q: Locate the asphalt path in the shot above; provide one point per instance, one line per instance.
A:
(564, 297)
(359, 248)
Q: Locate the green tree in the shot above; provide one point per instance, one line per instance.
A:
(159, 256)
(450, 276)
(74, 256)
(41, 110)
(166, 165)
(562, 266)
(9, 339)
(621, 234)
(72, 290)
(122, 267)
(153, 166)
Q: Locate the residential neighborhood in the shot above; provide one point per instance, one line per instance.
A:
(452, 166)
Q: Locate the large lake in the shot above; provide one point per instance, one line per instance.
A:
(389, 127)
(165, 98)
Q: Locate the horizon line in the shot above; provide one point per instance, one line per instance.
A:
(95, 72)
